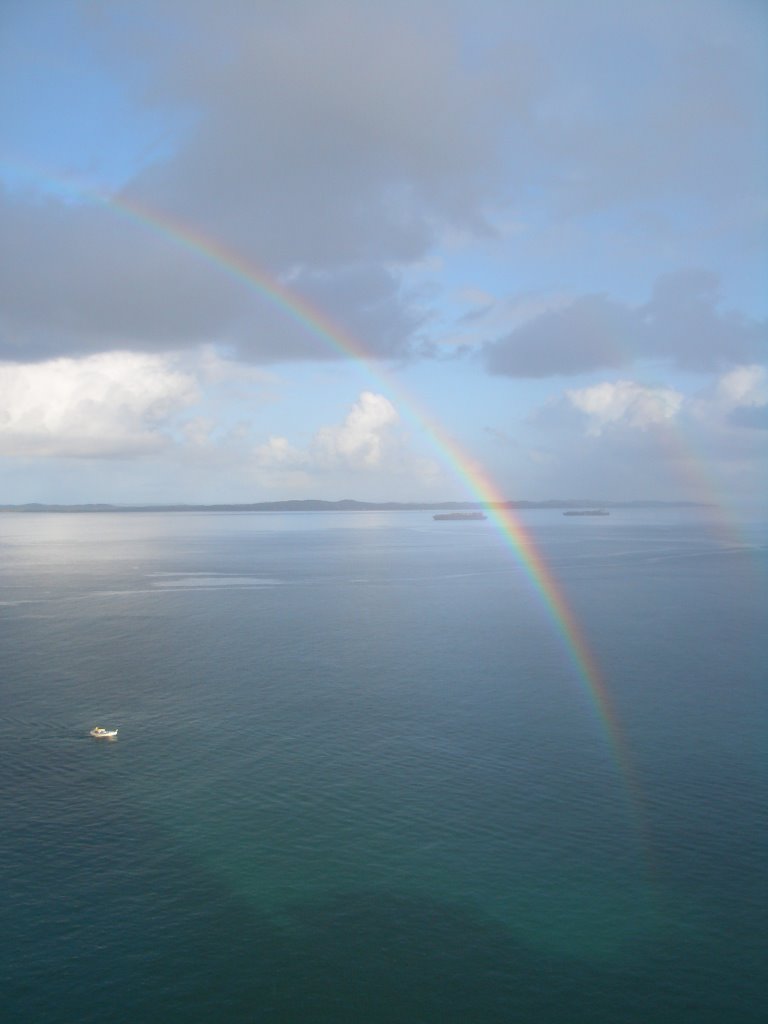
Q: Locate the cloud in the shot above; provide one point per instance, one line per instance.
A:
(279, 453)
(361, 440)
(325, 151)
(624, 403)
(744, 386)
(331, 133)
(130, 405)
(366, 303)
(642, 441)
(336, 146)
(645, 102)
(741, 396)
(84, 279)
(366, 444)
(623, 407)
(81, 279)
(588, 334)
(682, 324)
(117, 405)
(375, 159)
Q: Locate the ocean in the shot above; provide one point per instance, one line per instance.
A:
(359, 776)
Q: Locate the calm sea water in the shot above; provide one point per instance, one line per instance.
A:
(360, 779)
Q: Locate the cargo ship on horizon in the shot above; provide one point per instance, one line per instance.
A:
(460, 515)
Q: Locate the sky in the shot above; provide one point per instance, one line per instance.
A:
(254, 250)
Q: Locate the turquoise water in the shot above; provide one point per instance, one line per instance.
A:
(358, 777)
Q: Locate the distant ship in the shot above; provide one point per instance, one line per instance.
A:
(459, 515)
(586, 512)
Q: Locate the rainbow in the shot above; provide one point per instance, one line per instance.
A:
(474, 478)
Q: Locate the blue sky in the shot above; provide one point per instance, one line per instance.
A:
(544, 223)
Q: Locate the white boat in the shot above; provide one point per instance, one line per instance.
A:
(103, 734)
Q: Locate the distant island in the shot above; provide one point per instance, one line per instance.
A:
(349, 505)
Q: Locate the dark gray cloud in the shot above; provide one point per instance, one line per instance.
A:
(362, 307)
(366, 302)
(682, 323)
(84, 278)
(334, 144)
(588, 334)
(326, 144)
(78, 279)
(325, 133)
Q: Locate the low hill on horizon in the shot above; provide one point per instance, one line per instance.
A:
(347, 505)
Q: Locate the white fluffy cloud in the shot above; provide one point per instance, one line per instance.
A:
(361, 440)
(279, 453)
(366, 444)
(739, 397)
(623, 402)
(650, 441)
(127, 405)
(111, 405)
(744, 386)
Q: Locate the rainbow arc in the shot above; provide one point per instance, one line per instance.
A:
(472, 476)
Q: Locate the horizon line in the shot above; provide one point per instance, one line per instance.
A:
(351, 503)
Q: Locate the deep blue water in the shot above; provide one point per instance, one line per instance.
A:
(359, 777)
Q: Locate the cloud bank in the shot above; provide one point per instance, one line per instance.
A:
(336, 146)
(549, 218)
(682, 324)
(115, 405)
